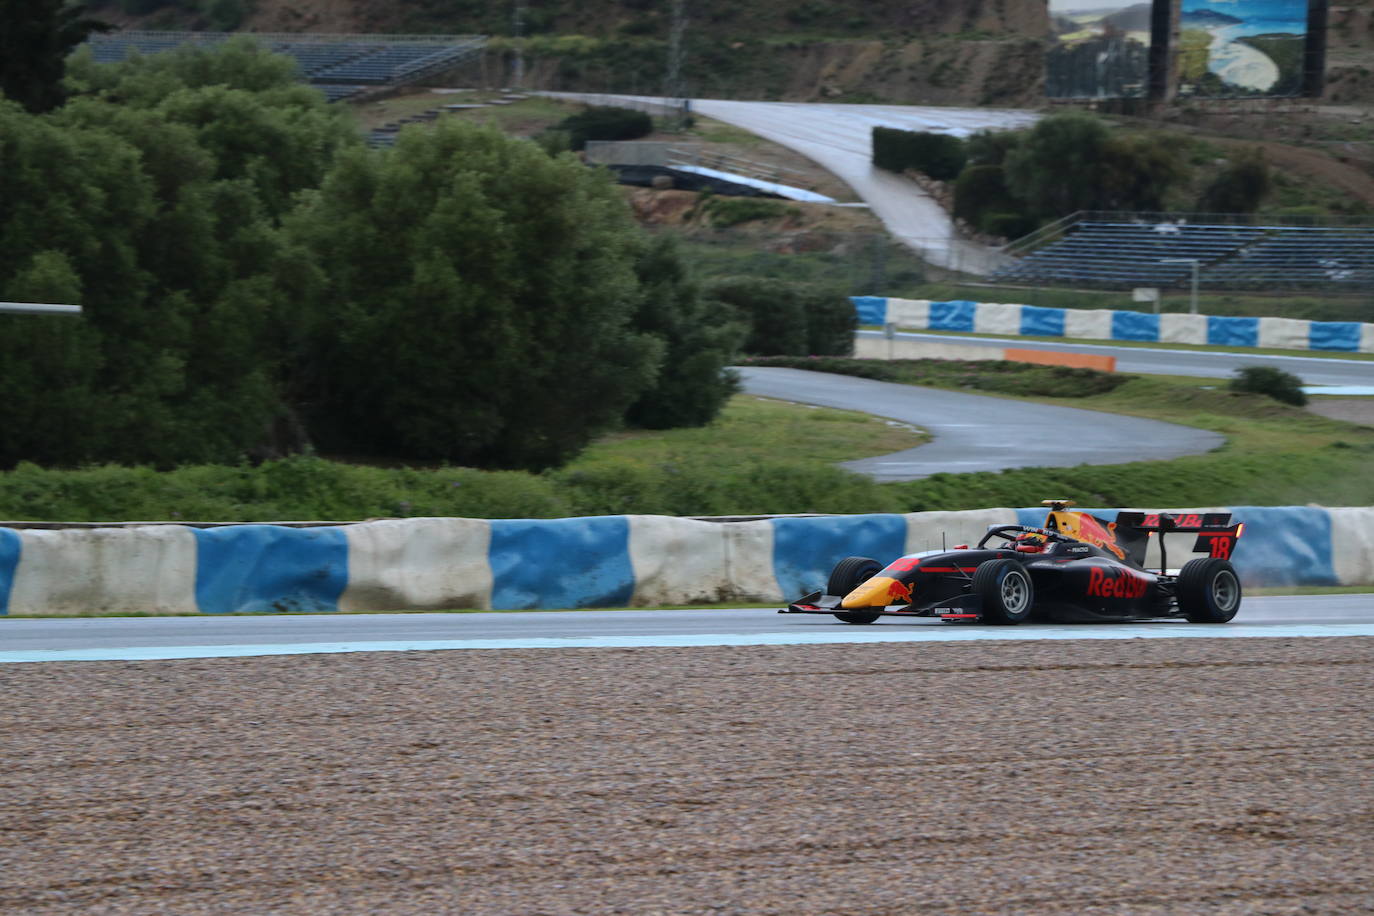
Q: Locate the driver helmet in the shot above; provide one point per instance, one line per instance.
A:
(1030, 542)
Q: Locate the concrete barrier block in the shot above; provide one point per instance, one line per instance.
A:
(1183, 329)
(909, 313)
(270, 569)
(561, 563)
(1285, 333)
(1088, 324)
(1042, 322)
(997, 318)
(678, 561)
(749, 555)
(106, 570)
(1367, 338)
(1338, 336)
(418, 564)
(934, 530)
(1352, 545)
(805, 550)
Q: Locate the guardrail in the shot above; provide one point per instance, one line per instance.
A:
(602, 561)
(1108, 324)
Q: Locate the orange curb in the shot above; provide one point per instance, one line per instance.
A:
(1054, 358)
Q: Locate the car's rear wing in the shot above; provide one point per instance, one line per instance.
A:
(1215, 533)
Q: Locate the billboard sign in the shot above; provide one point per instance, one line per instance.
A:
(1100, 49)
(1242, 48)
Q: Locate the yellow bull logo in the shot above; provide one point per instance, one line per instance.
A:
(1088, 529)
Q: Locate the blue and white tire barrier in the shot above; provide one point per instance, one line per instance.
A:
(1106, 324)
(606, 561)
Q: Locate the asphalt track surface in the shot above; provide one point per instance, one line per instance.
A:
(30, 640)
(979, 433)
(839, 139)
(1313, 370)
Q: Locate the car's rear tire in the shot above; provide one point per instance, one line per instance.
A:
(1005, 590)
(1208, 590)
(849, 574)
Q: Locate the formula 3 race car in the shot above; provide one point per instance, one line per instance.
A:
(1076, 567)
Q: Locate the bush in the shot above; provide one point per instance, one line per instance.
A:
(605, 124)
(1277, 384)
(731, 211)
(982, 200)
(940, 156)
(1240, 187)
(789, 319)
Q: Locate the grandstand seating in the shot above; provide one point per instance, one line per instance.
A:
(340, 66)
(1122, 254)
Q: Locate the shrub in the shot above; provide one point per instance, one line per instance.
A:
(789, 319)
(599, 123)
(940, 156)
(1240, 187)
(731, 211)
(1277, 384)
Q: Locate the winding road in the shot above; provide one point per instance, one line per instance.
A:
(839, 139)
(979, 433)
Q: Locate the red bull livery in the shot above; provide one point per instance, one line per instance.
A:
(1076, 567)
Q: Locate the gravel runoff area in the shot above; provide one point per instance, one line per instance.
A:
(1159, 776)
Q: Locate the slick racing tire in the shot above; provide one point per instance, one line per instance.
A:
(849, 574)
(1208, 590)
(1005, 590)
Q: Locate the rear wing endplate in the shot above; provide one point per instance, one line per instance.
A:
(1215, 533)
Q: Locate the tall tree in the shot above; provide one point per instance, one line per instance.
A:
(473, 302)
(701, 338)
(35, 38)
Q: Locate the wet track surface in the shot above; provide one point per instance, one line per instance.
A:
(980, 433)
(1278, 616)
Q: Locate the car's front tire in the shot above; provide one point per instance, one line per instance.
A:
(1004, 588)
(849, 574)
(1208, 590)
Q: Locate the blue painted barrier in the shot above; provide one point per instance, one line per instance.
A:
(259, 568)
(587, 562)
(952, 316)
(1334, 335)
(1232, 332)
(870, 309)
(961, 315)
(1135, 326)
(1041, 322)
(11, 547)
(804, 552)
(561, 563)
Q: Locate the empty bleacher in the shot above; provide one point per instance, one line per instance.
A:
(338, 65)
(1121, 252)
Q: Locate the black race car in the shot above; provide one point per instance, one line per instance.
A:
(1076, 567)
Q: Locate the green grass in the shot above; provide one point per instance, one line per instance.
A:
(759, 454)
(759, 458)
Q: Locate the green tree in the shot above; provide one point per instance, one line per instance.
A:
(1055, 168)
(1241, 185)
(700, 340)
(473, 302)
(35, 38)
(1072, 161)
(789, 318)
(1137, 171)
(162, 200)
